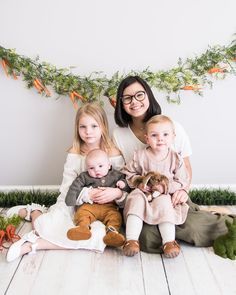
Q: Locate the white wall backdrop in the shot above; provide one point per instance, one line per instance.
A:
(107, 36)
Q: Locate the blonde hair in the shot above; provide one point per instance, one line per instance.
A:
(95, 111)
(158, 119)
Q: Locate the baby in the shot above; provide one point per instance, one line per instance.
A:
(99, 174)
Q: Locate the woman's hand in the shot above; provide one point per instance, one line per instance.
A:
(103, 195)
(179, 197)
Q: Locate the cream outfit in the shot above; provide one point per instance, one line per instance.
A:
(160, 209)
(127, 142)
(53, 225)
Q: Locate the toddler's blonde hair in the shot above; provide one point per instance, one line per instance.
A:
(158, 119)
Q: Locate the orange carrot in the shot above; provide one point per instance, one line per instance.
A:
(2, 235)
(4, 65)
(47, 92)
(191, 87)
(37, 86)
(73, 99)
(14, 76)
(112, 101)
(216, 70)
(42, 87)
(10, 233)
(79, 96)
(72, 96)
(39, 83)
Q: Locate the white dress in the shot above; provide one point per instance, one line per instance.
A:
(127, 142)
(53, 225)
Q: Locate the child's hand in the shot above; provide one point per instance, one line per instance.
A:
(159, 187)
(120, 184)
(179, 197)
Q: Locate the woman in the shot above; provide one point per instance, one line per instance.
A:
(135, 105)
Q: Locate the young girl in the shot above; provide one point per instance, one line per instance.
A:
(91, 132)
(162, 210)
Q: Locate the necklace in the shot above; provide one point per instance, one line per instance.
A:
(138, 132)
(141, 128)
(137, 127)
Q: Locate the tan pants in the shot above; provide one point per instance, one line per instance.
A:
(107, 213)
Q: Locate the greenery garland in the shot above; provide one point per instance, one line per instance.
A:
(48, 198)
(192, 74)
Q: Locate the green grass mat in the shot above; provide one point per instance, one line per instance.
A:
(48, 198)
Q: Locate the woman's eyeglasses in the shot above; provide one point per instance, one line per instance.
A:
(139, 96)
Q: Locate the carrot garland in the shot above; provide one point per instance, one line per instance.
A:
(191, 74)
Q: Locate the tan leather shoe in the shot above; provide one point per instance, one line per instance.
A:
(131, 248)
(113, 238)
(78, 233)
(171, 249)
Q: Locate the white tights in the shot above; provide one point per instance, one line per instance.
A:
(134, 226)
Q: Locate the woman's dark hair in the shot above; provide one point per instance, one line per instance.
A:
(122, 119)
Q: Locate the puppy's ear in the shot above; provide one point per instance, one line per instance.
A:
(150, 176)
(147, 177)
(165, 186)
(165, 183)
(138, 180)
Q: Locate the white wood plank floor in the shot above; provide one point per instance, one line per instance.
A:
(80, 272)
